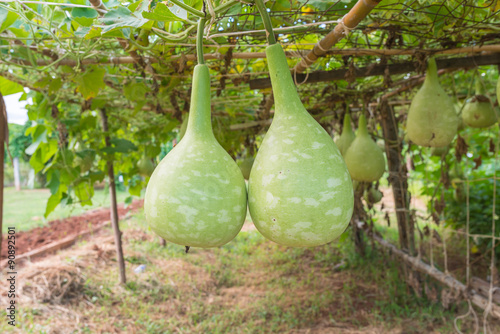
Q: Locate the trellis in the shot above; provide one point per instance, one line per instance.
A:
(375, 46)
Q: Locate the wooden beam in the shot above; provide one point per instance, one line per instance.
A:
(393, 69)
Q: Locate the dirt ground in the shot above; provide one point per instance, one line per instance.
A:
(61, 228)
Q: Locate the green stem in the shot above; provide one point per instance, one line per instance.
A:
(224, 6)
(199, 41)
(271, 39)
(190, 9)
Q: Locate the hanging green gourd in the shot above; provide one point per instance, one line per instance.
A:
(246, 166)
(145, 166)
(439, 151)
(347, 136)
(300, 193)
(364, 159)
(197, 195)
(432, 119)
(478, 111)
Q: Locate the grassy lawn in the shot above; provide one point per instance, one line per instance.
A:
(250, 285)
(24, 209)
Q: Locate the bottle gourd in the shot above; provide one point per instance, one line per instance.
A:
(197, 195)
(478, 112)
(300, 192)
(145, 166)
(432, 119)
(364, 159)
(347, 136)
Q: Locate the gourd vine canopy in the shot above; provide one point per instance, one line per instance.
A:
(135, 59)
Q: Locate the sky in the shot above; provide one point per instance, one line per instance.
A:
(16, 113)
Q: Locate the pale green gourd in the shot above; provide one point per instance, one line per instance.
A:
(439, 151)
(300, 193)
(364, 159)
(347, 136)
(432, 119)
(145, 166)
(478, 112)
(197, 195)
(246, 166)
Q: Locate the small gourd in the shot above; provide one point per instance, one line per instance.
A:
(347, 136)
(432, 119)
(300, 193)
(439, 151)
(363, 158)
(246, 166)
(197, 195)
(145, 166)
(373, 196)
(478, 111)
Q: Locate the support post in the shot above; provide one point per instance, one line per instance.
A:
(114, 207)
(397, 176)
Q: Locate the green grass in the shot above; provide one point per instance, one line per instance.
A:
(25, 209)
(250, 285)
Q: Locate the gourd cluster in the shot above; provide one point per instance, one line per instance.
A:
(300, 184)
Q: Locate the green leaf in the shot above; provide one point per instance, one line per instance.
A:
(19, 32)
(54, 182)
(123, 145)
(36, 161)
(55, 85)
(135, 190)
(52, 203)
(7, 18)
(160, 13)
(84, 16)
(8, 87)
(121, 18)
(136, 92)
(90, 82)
(139, 6)
(84, 191)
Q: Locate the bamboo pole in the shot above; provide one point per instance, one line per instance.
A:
(485, 49)
(357, 13)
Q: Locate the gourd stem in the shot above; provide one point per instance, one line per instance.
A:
(432, 69)
(362, 130)
(479, 86)
(271, 39)
(188, 8)
(199, 41)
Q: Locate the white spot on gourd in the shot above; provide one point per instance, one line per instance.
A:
(271, 200)
(293, 159)
(332, 182)
(311, 202)
(288, 141)
(317, 145)
(335, 212)
(295, 200)
(266, 179)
